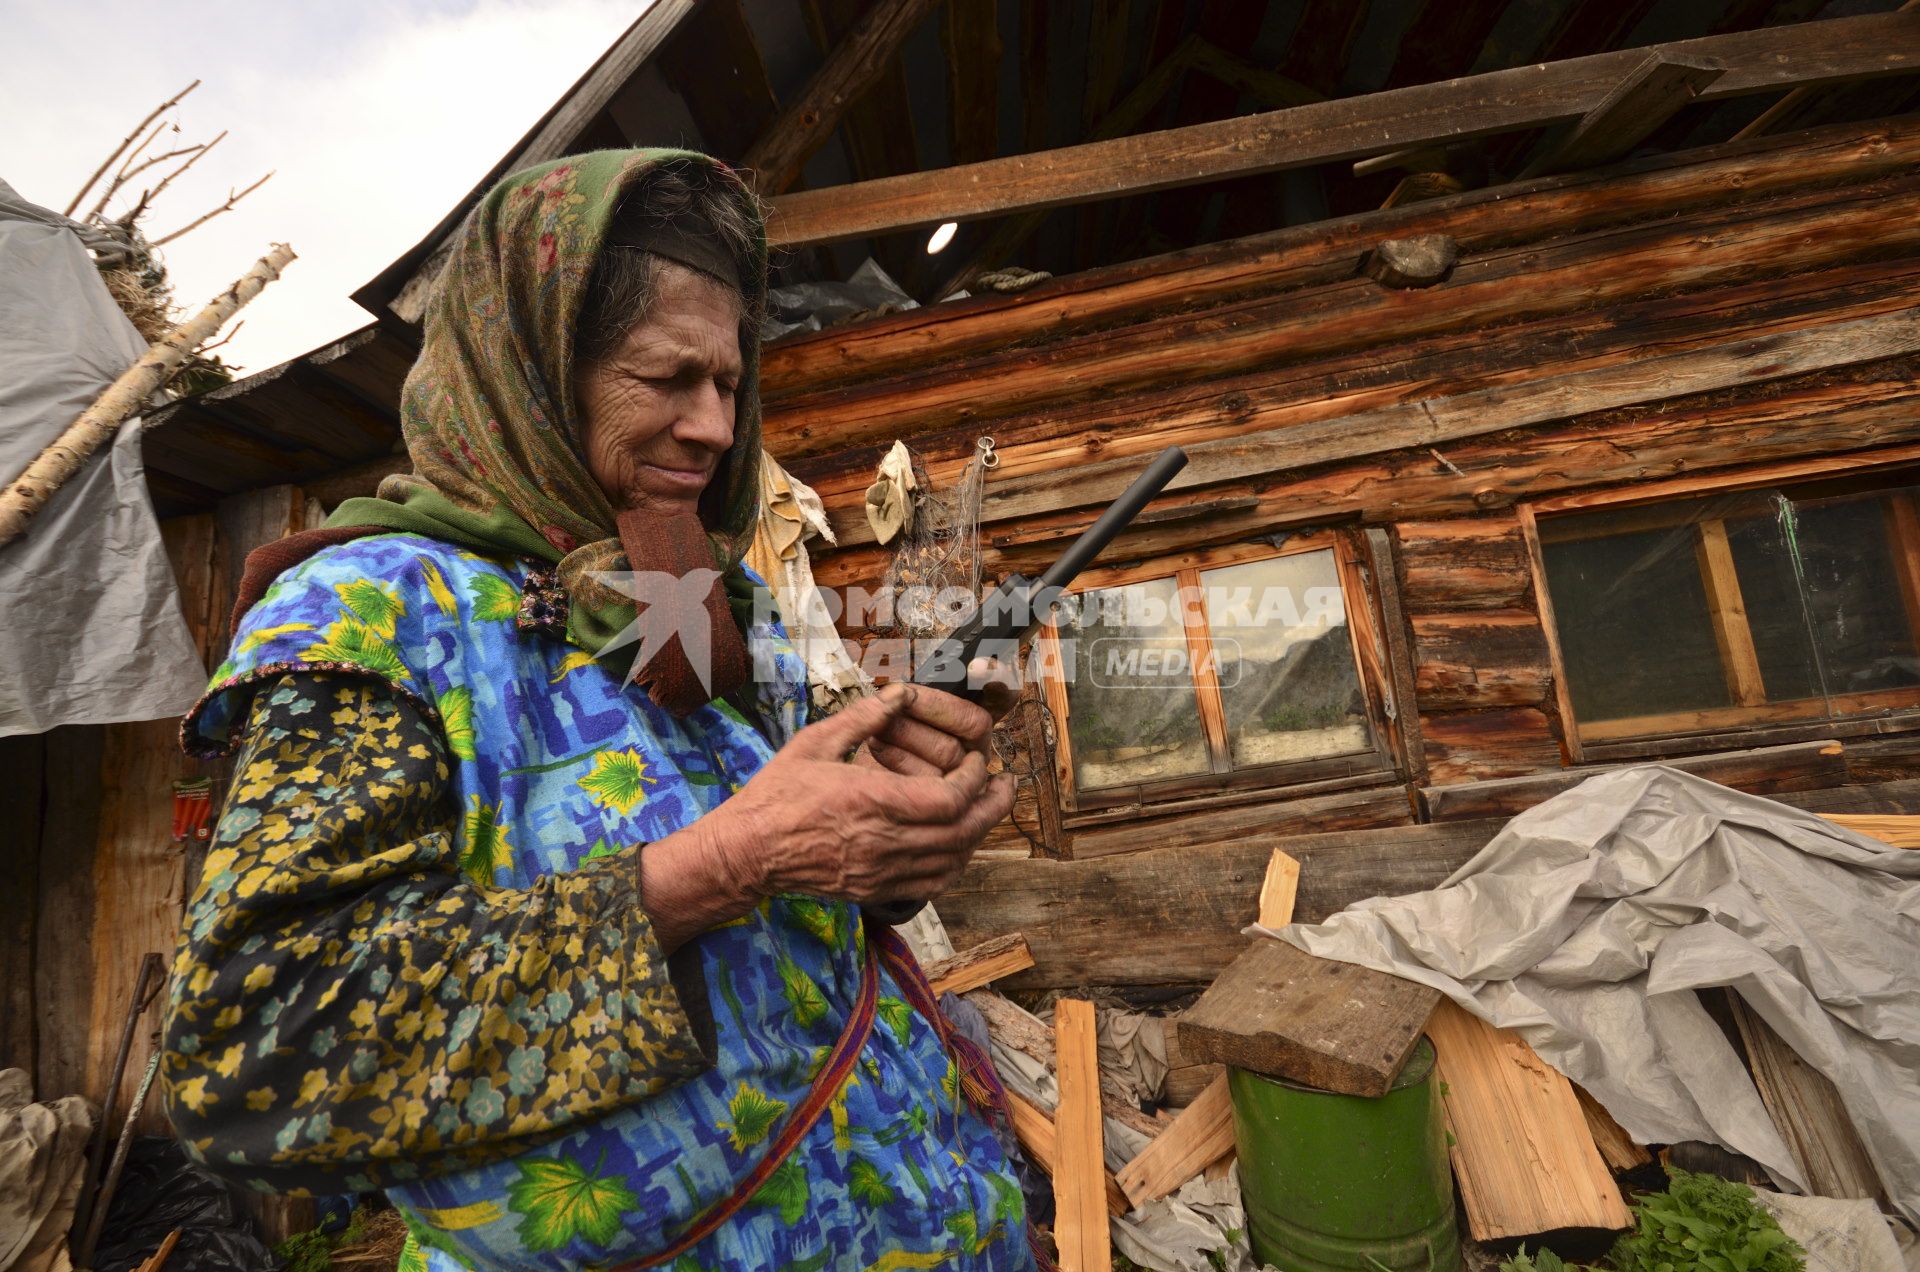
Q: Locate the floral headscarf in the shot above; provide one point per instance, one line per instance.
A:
(488, 411)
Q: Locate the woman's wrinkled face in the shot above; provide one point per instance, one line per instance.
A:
(657, 412)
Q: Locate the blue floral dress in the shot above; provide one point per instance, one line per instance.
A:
(416, 958)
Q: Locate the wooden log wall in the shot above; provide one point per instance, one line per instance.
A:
(1692, 314)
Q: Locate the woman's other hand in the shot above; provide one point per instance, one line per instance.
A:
(810, 822)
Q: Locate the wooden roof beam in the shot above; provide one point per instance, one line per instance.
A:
(1342, 129)
(971, 39)
(1656, 91)
(1789, 107)
(872, 44)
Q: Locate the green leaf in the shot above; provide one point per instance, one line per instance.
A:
(866, 1184)
(486, 847)
(495, 600)
(803, 995)
(693, 777)
(456, 720)
(898, 1016)
(351, 641)
(1009, 1207)
(559, 1200)
(753, 1114)
(375, 604)
(822, 920)
(618, 780)
(785, 1191)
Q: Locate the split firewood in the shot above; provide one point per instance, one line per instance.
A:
(1016, 1027)
(1079, 1196)
(98, 423)
(1616, 1147)
(1896, 829)
(1033, 1127)
(982, 965)
(1199, 1137)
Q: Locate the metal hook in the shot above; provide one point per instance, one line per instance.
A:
(987, 458)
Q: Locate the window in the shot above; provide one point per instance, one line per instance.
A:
(1240, 666)
(1740, 609)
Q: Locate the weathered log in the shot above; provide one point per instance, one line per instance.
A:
(1469, 563)
(1483, 658)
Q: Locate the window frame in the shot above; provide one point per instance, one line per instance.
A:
(1365, 630)
(1673, 732)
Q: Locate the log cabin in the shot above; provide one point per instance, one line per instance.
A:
(1564, 358)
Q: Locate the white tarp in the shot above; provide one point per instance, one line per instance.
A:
(90, 626)
(1588, 922)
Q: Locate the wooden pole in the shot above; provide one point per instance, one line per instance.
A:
(29, 492)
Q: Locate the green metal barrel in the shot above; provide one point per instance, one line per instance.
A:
(1338, 1182)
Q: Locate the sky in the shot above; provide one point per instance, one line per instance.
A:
(376, 118)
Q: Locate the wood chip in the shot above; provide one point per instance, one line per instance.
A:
(981, 965)
(1199, 1137)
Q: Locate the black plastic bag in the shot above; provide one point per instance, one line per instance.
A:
(161, 1190)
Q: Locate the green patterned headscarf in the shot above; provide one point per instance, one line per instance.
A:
(488, 411)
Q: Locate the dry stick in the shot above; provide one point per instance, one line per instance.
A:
(146, 987)
(120, 177)
(122, 147)
(104, 1199)
(29, 492)
(148, 196)
(232, 199)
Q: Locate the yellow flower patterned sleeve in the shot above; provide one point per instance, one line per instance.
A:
(349, 1010)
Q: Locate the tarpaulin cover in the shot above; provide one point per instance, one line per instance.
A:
(1587, 923)
(91, 630)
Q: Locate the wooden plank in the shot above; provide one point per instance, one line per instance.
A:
(1342, 129)
(1283, 1012)
(1767, 770)
(1186, 1078)
(63, 988)
(1443, 41)
(1468, 563)
(1901, 831)
(981, 965)
(1739, 660)
(1359, 802)
(1079, 1196)
(1808, 1111)
(804, 126)
(713, 62)
(1278, 889)
(1473, 746)
(971, 37)
(1388, 592)
(1617, 1148)
(1174, 916)
(1199, 1137)
(1656, 91)
(1033, 1127)
(1522, 1154)
(1469, 415)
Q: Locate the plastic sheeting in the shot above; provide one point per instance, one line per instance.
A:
(1587, 923)
(43, 1151)
(91, 631)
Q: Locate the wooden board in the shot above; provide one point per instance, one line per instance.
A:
(981, 965)
(1522, 1154)
(1033, 1127)
(1014, 1026)
(1889, 828)
(1807, 1110)
(1079, 1193)
(1199, 1137)
(1186, 1078)
(1327, 132)
(1288, 1014)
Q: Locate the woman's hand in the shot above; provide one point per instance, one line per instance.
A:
(938, 728)
(810, 822)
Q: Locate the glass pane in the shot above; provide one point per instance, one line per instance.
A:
(1776, 613)
(1851, 572)
(1132, 714)
(1626, 583)
(1285, 659)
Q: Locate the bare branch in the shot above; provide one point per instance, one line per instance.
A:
(232, 199)
(130, 139)
(204, 350)
(148, 196)
(130, 170)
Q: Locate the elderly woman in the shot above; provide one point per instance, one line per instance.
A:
(551, 933)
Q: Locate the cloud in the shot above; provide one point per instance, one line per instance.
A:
(376, 119)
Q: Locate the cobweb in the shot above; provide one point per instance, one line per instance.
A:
(934, 576)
